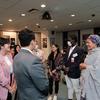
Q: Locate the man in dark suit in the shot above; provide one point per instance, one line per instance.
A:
(72, 60)
(32, 83)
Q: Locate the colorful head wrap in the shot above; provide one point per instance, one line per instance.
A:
(95, 39)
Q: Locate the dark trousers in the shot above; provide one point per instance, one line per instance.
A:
(51, 86)
(15, 96)
(9, 97)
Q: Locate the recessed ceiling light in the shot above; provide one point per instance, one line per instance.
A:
(72, 15)
(37, 24)
(1, 24)
(43, 5)
(26, 26)
(52, 20)
(89, 20)
(70, 24)
(10, 20)
(23, 15)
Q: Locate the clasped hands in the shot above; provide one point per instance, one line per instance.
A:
(12, 88)
(52, 72)
(83, 66)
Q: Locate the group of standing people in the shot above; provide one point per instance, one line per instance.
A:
(81, 70)
(69, 64)
(25, 71)
(7, 80)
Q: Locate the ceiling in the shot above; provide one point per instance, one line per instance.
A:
(60, 11)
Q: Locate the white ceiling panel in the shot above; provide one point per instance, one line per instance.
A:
(59, 10)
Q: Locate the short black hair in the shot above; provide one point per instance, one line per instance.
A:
(4, 41)
(74, 38)
(25, 37)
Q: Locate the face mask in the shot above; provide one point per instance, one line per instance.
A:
(69, 43)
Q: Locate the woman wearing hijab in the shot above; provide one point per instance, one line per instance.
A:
(91, 70)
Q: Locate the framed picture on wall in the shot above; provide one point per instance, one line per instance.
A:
(44, 42)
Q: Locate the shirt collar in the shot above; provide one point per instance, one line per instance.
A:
(27, 49)
(73, 47)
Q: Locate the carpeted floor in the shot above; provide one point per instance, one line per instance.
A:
(63, 92)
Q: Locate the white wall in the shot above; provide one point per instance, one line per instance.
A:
(59, 41)
(49, 35)
(45, 34)
(11, 35)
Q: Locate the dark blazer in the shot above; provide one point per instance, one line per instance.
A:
(31, 79)
(73, 62)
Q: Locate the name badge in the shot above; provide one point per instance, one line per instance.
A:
(75, 55)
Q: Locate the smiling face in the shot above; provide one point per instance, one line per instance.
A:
(54, 48)
(90, 44)
(6, 48)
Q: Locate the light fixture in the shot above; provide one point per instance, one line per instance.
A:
(89, 20)
(37, 24)
(72, 15)
(70, 24)
(43, 5)
(23, 15)
(10, 20)
(26, 26)
(52, 20)
(1, 24)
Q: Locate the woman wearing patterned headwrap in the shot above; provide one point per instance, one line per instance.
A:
(91, 70)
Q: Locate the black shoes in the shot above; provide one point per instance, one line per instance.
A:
(82, 98)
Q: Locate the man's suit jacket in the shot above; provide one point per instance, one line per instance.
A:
(73, 62)
(32, 83)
